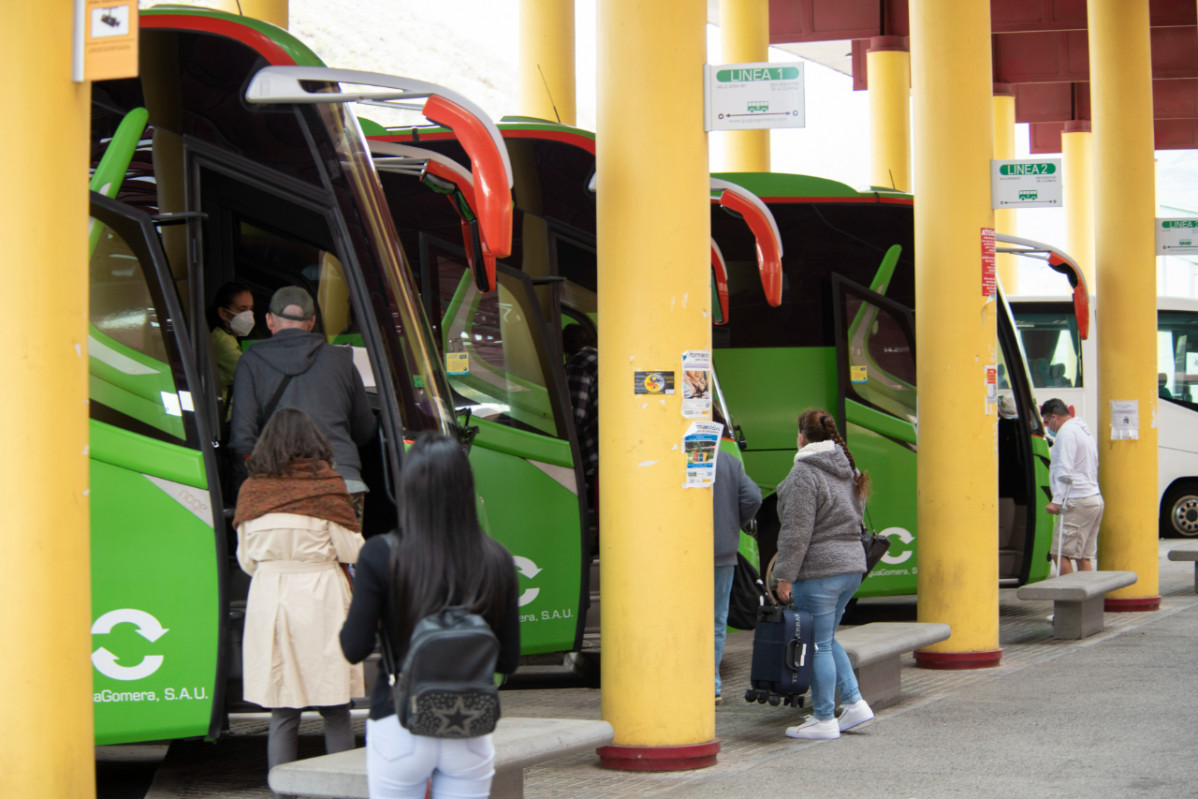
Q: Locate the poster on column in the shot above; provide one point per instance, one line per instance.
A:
(989, 278)
(105, 40)
(1125, 420)
(701, 444)
(696, 384)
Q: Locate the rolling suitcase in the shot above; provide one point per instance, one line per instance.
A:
(783, 656)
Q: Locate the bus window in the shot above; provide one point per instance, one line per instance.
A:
(881, 357)
(131, 382)
(494, 345)
(1177, 354)
(1051, 343)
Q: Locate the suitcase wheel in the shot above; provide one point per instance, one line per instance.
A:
(775, 700)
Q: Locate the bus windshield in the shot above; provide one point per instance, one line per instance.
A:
(1051, 343)
(1177, 355)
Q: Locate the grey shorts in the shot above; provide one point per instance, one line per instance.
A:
(1076, 536)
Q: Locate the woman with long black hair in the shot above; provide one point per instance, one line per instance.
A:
(821, 561)
(442, 558)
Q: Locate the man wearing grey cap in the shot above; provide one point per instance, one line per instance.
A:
(296, 368)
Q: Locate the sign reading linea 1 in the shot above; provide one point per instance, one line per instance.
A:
(754, 96)
(1026, 184)
(1176, 236)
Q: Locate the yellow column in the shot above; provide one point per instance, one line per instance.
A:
(1004, 149)
(1125, 263)
(951, 85)
(888, 65)
(745, 38)
(46, 748)
(1077, 152)
(654, 231)
(547, 60)
(273, 11)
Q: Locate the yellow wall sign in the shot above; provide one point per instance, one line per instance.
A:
(105, 39)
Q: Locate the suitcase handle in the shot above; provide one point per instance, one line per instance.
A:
(796, 654)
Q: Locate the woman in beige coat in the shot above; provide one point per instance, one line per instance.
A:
(295, 527)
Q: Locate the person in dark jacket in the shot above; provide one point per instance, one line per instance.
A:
(735, 500)
(821, 561)
(443, 558)
(321, 380)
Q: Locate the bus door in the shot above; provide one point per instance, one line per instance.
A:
(1024, 527)
(267, 234)
(505, 372)
(157, 539)
(875, 356)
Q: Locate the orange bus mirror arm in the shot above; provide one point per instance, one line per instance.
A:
(1081, 293)
(488, 168)
(444, 175)
(765, 232)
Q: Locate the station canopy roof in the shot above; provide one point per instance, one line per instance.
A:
(1040, 53)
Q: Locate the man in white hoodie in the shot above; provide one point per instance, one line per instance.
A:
(1073, 477)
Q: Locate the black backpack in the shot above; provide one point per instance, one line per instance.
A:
(446, 688)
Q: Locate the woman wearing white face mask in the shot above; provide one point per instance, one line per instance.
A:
(232, 318)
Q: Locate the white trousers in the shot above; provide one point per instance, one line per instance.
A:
(398, 763)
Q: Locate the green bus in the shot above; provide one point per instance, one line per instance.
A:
(236, 155)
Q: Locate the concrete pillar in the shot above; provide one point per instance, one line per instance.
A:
(888, 66)
(45, 576)
(1077, 153)
(1125, 264)
(951, 86)
(654, 238)
(1004, 149)
(547, 60)
(745, 38)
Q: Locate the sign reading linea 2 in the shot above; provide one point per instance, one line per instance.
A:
(1026, 184)
(754, 96)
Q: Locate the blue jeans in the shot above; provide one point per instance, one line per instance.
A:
(723, 588)
(825, 600)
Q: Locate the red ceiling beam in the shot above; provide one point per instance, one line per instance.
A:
(1061, 102)
(795, 21)
(1055, 57)
(1168, 134)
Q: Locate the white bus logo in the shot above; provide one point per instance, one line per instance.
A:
(148, 628)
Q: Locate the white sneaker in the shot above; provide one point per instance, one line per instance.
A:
(856, 713)
(816, 729)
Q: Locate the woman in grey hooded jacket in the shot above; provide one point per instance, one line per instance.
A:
(821, 562)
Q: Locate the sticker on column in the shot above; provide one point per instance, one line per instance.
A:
(989, 280)
(1125, 420)
(653, 382)
(701, 443)
(858, 374)
(991, 387)
(696, 384)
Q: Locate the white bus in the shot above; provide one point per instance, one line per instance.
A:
(1063, 364)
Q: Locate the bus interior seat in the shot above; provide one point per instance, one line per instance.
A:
(1057, 376)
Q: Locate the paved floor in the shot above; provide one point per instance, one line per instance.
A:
(1108, 716)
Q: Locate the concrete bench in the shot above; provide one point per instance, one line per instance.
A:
(875, 651)
(1077, 599)
(1187, 551)
(519, 742)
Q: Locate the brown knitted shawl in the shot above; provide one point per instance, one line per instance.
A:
(321, 495)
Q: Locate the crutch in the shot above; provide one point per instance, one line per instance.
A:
(1059, 524)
